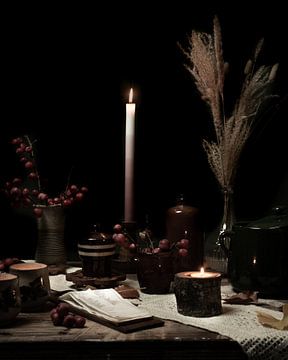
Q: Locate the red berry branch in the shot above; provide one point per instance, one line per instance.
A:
(27, 191)
(142, 242)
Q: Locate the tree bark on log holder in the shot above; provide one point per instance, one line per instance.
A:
(198, 296)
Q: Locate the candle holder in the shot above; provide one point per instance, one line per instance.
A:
(198, 294)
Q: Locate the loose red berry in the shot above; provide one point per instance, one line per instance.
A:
(63, 309)
(73, 188)
(56, 318)
(16, 141)
(8, 185)
(69, 320)
(16, 181)
(79, 196)
(184, 243)
(164, 244)
(28, 165)
(120, 239)
(20, 150)
(38, 212)
(15, 191)
(42, 196)
(8, 261)
(117, 228)
(79, 321)
(156, 250)
(183, 252)
(67, 202)
(32, 176)
(68, 193)
(25, 192)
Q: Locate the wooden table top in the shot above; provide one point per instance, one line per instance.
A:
(33, 336)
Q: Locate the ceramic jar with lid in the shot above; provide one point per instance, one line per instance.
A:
(34, 285)
(96, 253)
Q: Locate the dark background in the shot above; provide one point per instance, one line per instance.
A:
(66, 75)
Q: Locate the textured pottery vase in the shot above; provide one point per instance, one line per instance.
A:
(50, 248)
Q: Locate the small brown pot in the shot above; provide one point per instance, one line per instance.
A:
(10, 301)
(155, 272)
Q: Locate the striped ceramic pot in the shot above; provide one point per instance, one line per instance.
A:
(96, 254)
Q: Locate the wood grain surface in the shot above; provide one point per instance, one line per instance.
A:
(33, 336)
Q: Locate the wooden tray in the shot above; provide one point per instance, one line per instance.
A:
(80, 280)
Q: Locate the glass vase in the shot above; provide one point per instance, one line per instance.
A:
(217, 258)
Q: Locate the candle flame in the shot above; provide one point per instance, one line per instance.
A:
(202, 270)
(254, 260)
(131, 96)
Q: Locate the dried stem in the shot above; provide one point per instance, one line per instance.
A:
(33, 157)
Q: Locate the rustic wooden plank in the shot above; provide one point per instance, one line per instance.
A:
(33, 336)
(37, 325)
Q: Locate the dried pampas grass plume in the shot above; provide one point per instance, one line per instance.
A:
(208, 69)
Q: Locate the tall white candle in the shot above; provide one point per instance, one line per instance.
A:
(129, 159)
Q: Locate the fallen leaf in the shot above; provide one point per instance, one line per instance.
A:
(127, 292)
(243, 298)
(271, 321)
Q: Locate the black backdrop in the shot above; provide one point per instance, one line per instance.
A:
(66, 74)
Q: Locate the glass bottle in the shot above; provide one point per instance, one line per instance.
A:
(217, 256)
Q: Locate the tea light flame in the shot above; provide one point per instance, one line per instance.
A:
(254, 260)
(200, 274)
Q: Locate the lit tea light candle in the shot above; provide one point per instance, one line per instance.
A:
(202, 274)
(198, 293)
(129, 158)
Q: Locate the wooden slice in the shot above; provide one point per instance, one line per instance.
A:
(81, 280)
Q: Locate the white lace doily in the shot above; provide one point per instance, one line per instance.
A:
(239, 322)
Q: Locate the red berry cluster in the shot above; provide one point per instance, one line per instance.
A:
(27, 192)
(143, 242)
(61, 315)
(7, 262)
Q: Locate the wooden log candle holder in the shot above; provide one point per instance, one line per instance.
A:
(198, 293)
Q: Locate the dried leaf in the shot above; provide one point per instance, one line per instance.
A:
(127, 292)
(243, 298)
(271, 321)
